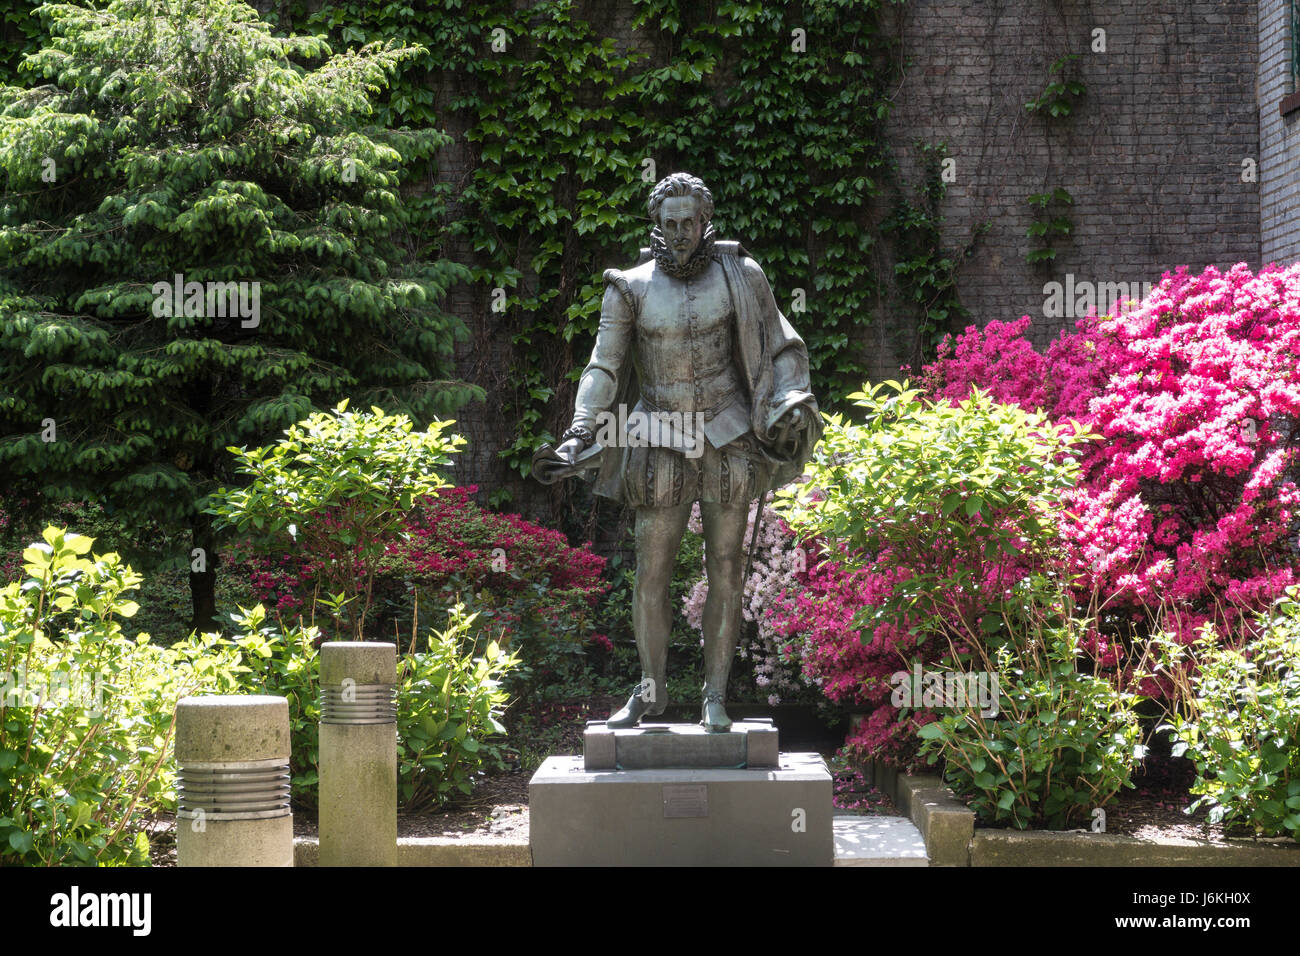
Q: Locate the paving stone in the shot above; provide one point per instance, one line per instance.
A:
(877, 841)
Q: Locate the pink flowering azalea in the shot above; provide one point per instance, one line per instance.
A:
(1187, 505)
(450, 540)
(1189, 498)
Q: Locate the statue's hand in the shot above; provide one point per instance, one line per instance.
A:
(793, 418)
(786, 430)
(571, 449)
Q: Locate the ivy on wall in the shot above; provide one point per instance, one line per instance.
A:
(1055, 104)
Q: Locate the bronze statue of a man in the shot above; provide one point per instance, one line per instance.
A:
(691, 339)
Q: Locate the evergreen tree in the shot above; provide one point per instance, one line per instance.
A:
(201, 242)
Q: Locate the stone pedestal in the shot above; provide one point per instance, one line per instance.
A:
(749, 744)
(775, 816)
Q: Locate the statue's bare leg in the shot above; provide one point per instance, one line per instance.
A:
(658, 536)
(724, 562)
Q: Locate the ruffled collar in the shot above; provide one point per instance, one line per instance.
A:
(693, 266)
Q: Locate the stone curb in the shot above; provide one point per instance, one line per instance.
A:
(1044, 848)
(434, 851)
(948, 828)
(946, 824)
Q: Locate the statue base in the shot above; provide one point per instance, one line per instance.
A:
(749, 744)
(779, 816)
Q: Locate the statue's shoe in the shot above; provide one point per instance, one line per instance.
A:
(635, 708)
(713, 715)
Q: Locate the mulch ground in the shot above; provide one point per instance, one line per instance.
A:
(1153, 809)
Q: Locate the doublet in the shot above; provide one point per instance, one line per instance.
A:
(681, 332)
(711, 352)
(684, 349)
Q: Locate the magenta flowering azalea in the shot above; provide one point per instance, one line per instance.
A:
(1188, 503)
(451, 541)
(1186, 506)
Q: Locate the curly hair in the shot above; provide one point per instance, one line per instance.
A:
(680, 184)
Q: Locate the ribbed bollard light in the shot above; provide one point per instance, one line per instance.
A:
(232, 783)
(358, 754)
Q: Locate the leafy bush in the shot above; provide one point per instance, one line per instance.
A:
(285, 662)
(1243, 727)
(337, 487)
(160, 556)
(1189, 499)
(928, 515)
(1062, 743)
(537, 594)
(86, 713)
(449, 704)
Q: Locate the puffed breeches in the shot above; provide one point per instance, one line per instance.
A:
(665, 477)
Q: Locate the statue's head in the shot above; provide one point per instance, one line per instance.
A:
(681, 206)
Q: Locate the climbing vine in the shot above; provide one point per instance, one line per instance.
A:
(1054, 104)
(1057, 98)
(1051, 223)
(926, 272)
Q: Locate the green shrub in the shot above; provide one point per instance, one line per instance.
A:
(449, 704)
(933, 517)
(284, 662)
(1242, 727)
(161, 555)
(337, 488)
(959, 497)
(86, 713)
(1061, 744)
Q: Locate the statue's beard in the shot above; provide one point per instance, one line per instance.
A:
(693, 266)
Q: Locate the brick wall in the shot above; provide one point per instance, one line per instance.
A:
(1279, 138)
(1151, 154)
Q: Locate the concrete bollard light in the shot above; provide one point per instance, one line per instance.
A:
(358, 754)
(232, 782)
